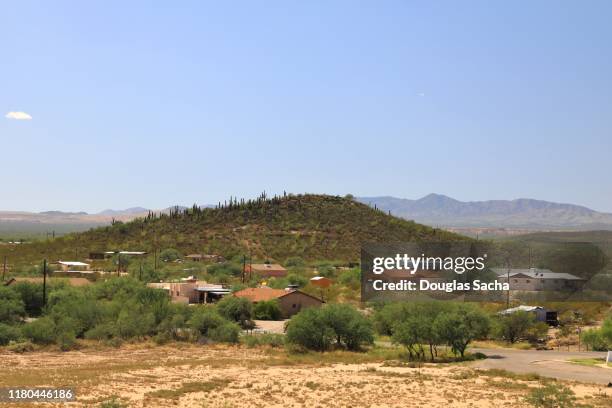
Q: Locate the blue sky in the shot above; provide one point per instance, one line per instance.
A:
(153, 103)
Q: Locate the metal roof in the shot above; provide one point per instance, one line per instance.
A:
(535, 273)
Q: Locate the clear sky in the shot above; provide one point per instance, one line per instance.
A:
(142, 104)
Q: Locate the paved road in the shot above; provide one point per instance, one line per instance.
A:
(546, 363)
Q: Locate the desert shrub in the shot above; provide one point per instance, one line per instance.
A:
(267, 310)
(102, 331)
(295, 261)
(66, 340)
(536, 332)
(31, 294)
(40, 331)
(169, 255)
(460, 326)
(350, 278)
(308, 329)
(236, 309)
(8, 333)
(594, 339)
(351, 328)
(12, 309)
(204, 319)
(225, 268)
(113, 403)
(134, 322)
(512, 327)
(20, 346)
(266, 339)
(318, 329)
(552, 396)
(228, 332)
(162, 338)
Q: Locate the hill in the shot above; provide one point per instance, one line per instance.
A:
(440, 210)
(310, 226)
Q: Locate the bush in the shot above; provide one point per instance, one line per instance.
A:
(31, 294)
(40, 331)
(307, 329)
(8, 334)
(458, 327)
(512, 327)
(318, 329)
(12, 309)
(266, 339)
(169, 255)
(594, 339)
(204, 319)
(236, 309)
(552, 396)
(267, 310)
(102, 331)
(21, 347)
(228, 332)
(350, 327)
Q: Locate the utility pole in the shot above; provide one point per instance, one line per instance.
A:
(508, 280)
(44, 299)
(243, 268)
(4, 269)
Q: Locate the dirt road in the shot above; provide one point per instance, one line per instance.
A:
(553, 364)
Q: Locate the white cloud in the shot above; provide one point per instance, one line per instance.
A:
(18, 116)
(421, 94)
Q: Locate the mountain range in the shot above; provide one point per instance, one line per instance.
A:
(446, 212)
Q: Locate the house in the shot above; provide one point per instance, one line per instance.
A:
(70, 266)
(194, 257)
(534, 279)
(204, 258)
(541, 314)
(39, 280)
(266, 270)
(321, 281)
(290, 301)
(191, 291)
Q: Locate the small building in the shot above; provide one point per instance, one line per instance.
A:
(194, 257)
(290, 301)
(540, 313)
(266, 270)
(76, 266)
(534, 279)
(321, 281)
(191, 291)
(39, 281)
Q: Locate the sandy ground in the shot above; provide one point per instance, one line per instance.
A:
(216, 376)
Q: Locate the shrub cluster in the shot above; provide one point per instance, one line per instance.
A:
(418, 326)
(339, 325)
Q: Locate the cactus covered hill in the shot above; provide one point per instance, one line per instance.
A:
(310, 226)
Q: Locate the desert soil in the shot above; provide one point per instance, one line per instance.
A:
(223, 376)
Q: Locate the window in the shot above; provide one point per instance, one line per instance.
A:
(294, 306)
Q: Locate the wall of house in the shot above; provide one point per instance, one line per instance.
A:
(294, 302)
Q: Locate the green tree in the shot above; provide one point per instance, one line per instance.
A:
(12, 309)
(236, 309)
(459, 327)
(351, 328)
(267, 310)
(512, 327)
(308, 330)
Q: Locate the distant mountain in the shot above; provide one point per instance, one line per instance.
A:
(443, 211)
(127, 211)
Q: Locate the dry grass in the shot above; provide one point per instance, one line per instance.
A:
(225, 376)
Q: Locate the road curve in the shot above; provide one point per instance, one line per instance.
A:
(546, 363)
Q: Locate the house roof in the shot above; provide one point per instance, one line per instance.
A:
(536, 273)
(267, 267)
(260, 294)
(521, 308)
(263, 294)
(194, 256)
(72, 263)
(37, 280)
